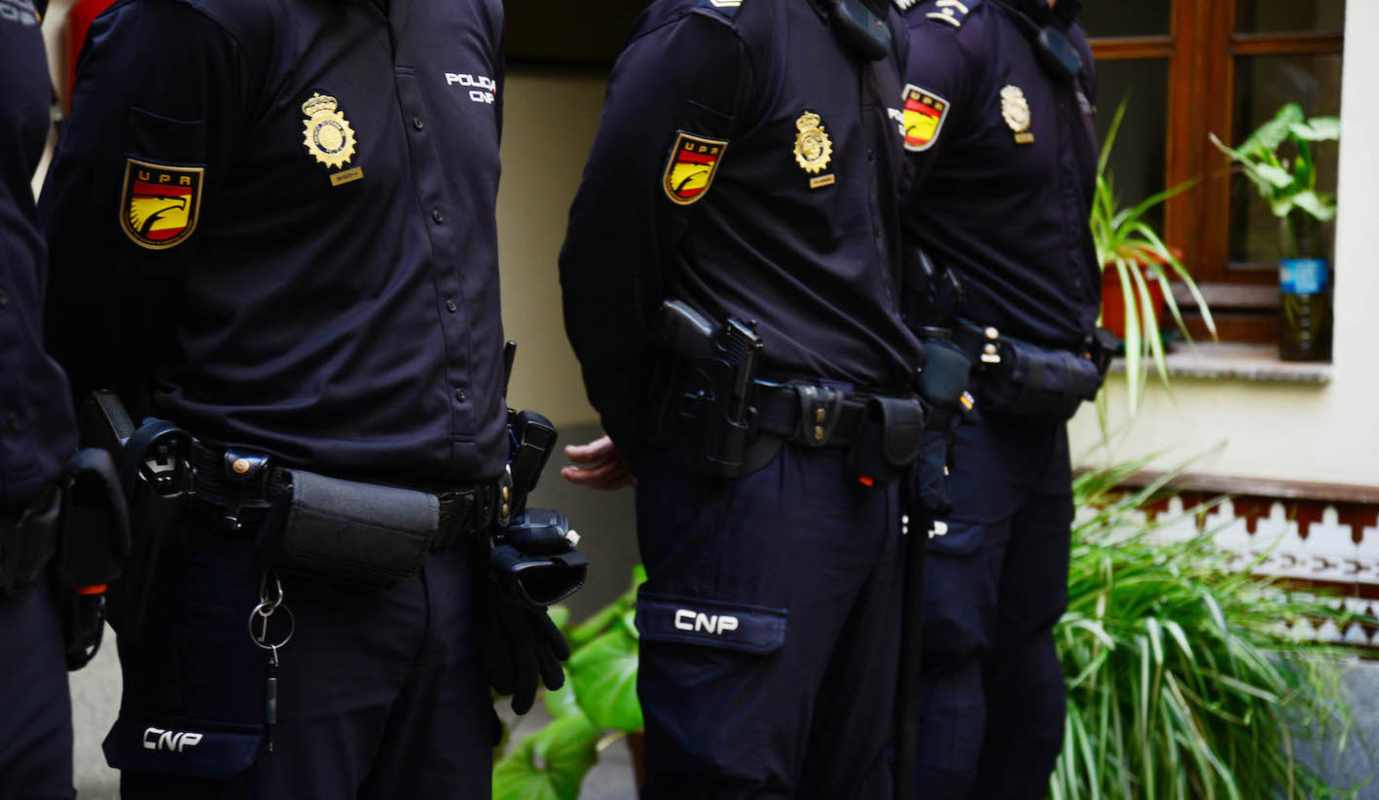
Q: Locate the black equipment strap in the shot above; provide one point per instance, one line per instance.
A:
(464, 511)
(813, 416)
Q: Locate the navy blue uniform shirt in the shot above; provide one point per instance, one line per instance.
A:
(37, 431)
(749, 165)
(279, 214)
(1003, 163)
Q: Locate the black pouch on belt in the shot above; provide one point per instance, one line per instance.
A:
(889, 439)
(93, 545)
(359, 534)
(1033, 382)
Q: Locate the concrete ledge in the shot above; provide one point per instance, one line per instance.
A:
(1257, 363)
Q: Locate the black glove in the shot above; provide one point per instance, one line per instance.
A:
(532, 565)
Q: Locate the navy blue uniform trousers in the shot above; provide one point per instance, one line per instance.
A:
(770, 626)
(992, 698)
(382, 692)
(35, 707)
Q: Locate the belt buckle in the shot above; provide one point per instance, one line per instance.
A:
(820, 410)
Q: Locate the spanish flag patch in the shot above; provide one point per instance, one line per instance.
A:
(691, 168)
(160, 204)
(924, 116)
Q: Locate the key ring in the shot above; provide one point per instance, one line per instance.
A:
(271, 597)
(263, 612)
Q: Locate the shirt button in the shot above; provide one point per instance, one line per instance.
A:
(4, 298)
(450, 306)
(437, 216)
(460, 395)
(12, 422)
(417, 123)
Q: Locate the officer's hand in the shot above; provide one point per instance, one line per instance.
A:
(598, 465)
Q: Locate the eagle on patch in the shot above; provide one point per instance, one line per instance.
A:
(160, 204)
(691, 168)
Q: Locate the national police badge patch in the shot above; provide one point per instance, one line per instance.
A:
(691, 168)
(160, 204)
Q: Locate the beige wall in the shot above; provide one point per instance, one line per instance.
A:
(549, 124)
(1329, 433)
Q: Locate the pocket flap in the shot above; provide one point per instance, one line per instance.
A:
(177, 747)
(711, 623)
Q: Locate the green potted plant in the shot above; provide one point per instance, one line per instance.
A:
(1137, 272)
(1280, 160)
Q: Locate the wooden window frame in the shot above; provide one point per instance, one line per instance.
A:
(1201, 50)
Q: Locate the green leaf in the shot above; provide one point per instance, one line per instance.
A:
(562, 702)
(560, 617)
(550, 764)
(604, 674)
(1277, 177)
(1318, 129)
(1319, 206)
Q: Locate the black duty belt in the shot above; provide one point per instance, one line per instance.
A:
(810, 415)
(241, 505)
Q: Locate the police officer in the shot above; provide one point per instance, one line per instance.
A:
(740, 204)
(998, 116)
(37, 435)
(272, 225)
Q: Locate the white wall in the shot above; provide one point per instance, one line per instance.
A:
(1330, 433)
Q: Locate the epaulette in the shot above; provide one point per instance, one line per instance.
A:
(727, 8)
(952, 12)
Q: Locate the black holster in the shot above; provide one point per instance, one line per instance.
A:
(358, 534)
(76, 532)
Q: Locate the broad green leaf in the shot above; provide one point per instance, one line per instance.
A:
(604, 674)
(563, 703)
(1277, 177)
(1319, 206)
(1318, 129)
(550, 764)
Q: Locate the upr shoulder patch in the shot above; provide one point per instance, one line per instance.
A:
(691, 168)
(925, 113)
(160, 204)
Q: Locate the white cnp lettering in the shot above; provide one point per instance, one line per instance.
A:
(687, 620)
(171, 741)
(482, 88)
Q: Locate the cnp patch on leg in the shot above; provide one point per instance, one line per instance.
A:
(160, 204)
(691, 168)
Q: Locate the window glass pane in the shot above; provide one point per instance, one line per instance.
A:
(1273, 16)
(1263, 85)
(1114, 18)
(1137, 163)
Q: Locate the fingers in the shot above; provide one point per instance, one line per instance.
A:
(597, 451)
(611, 472)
